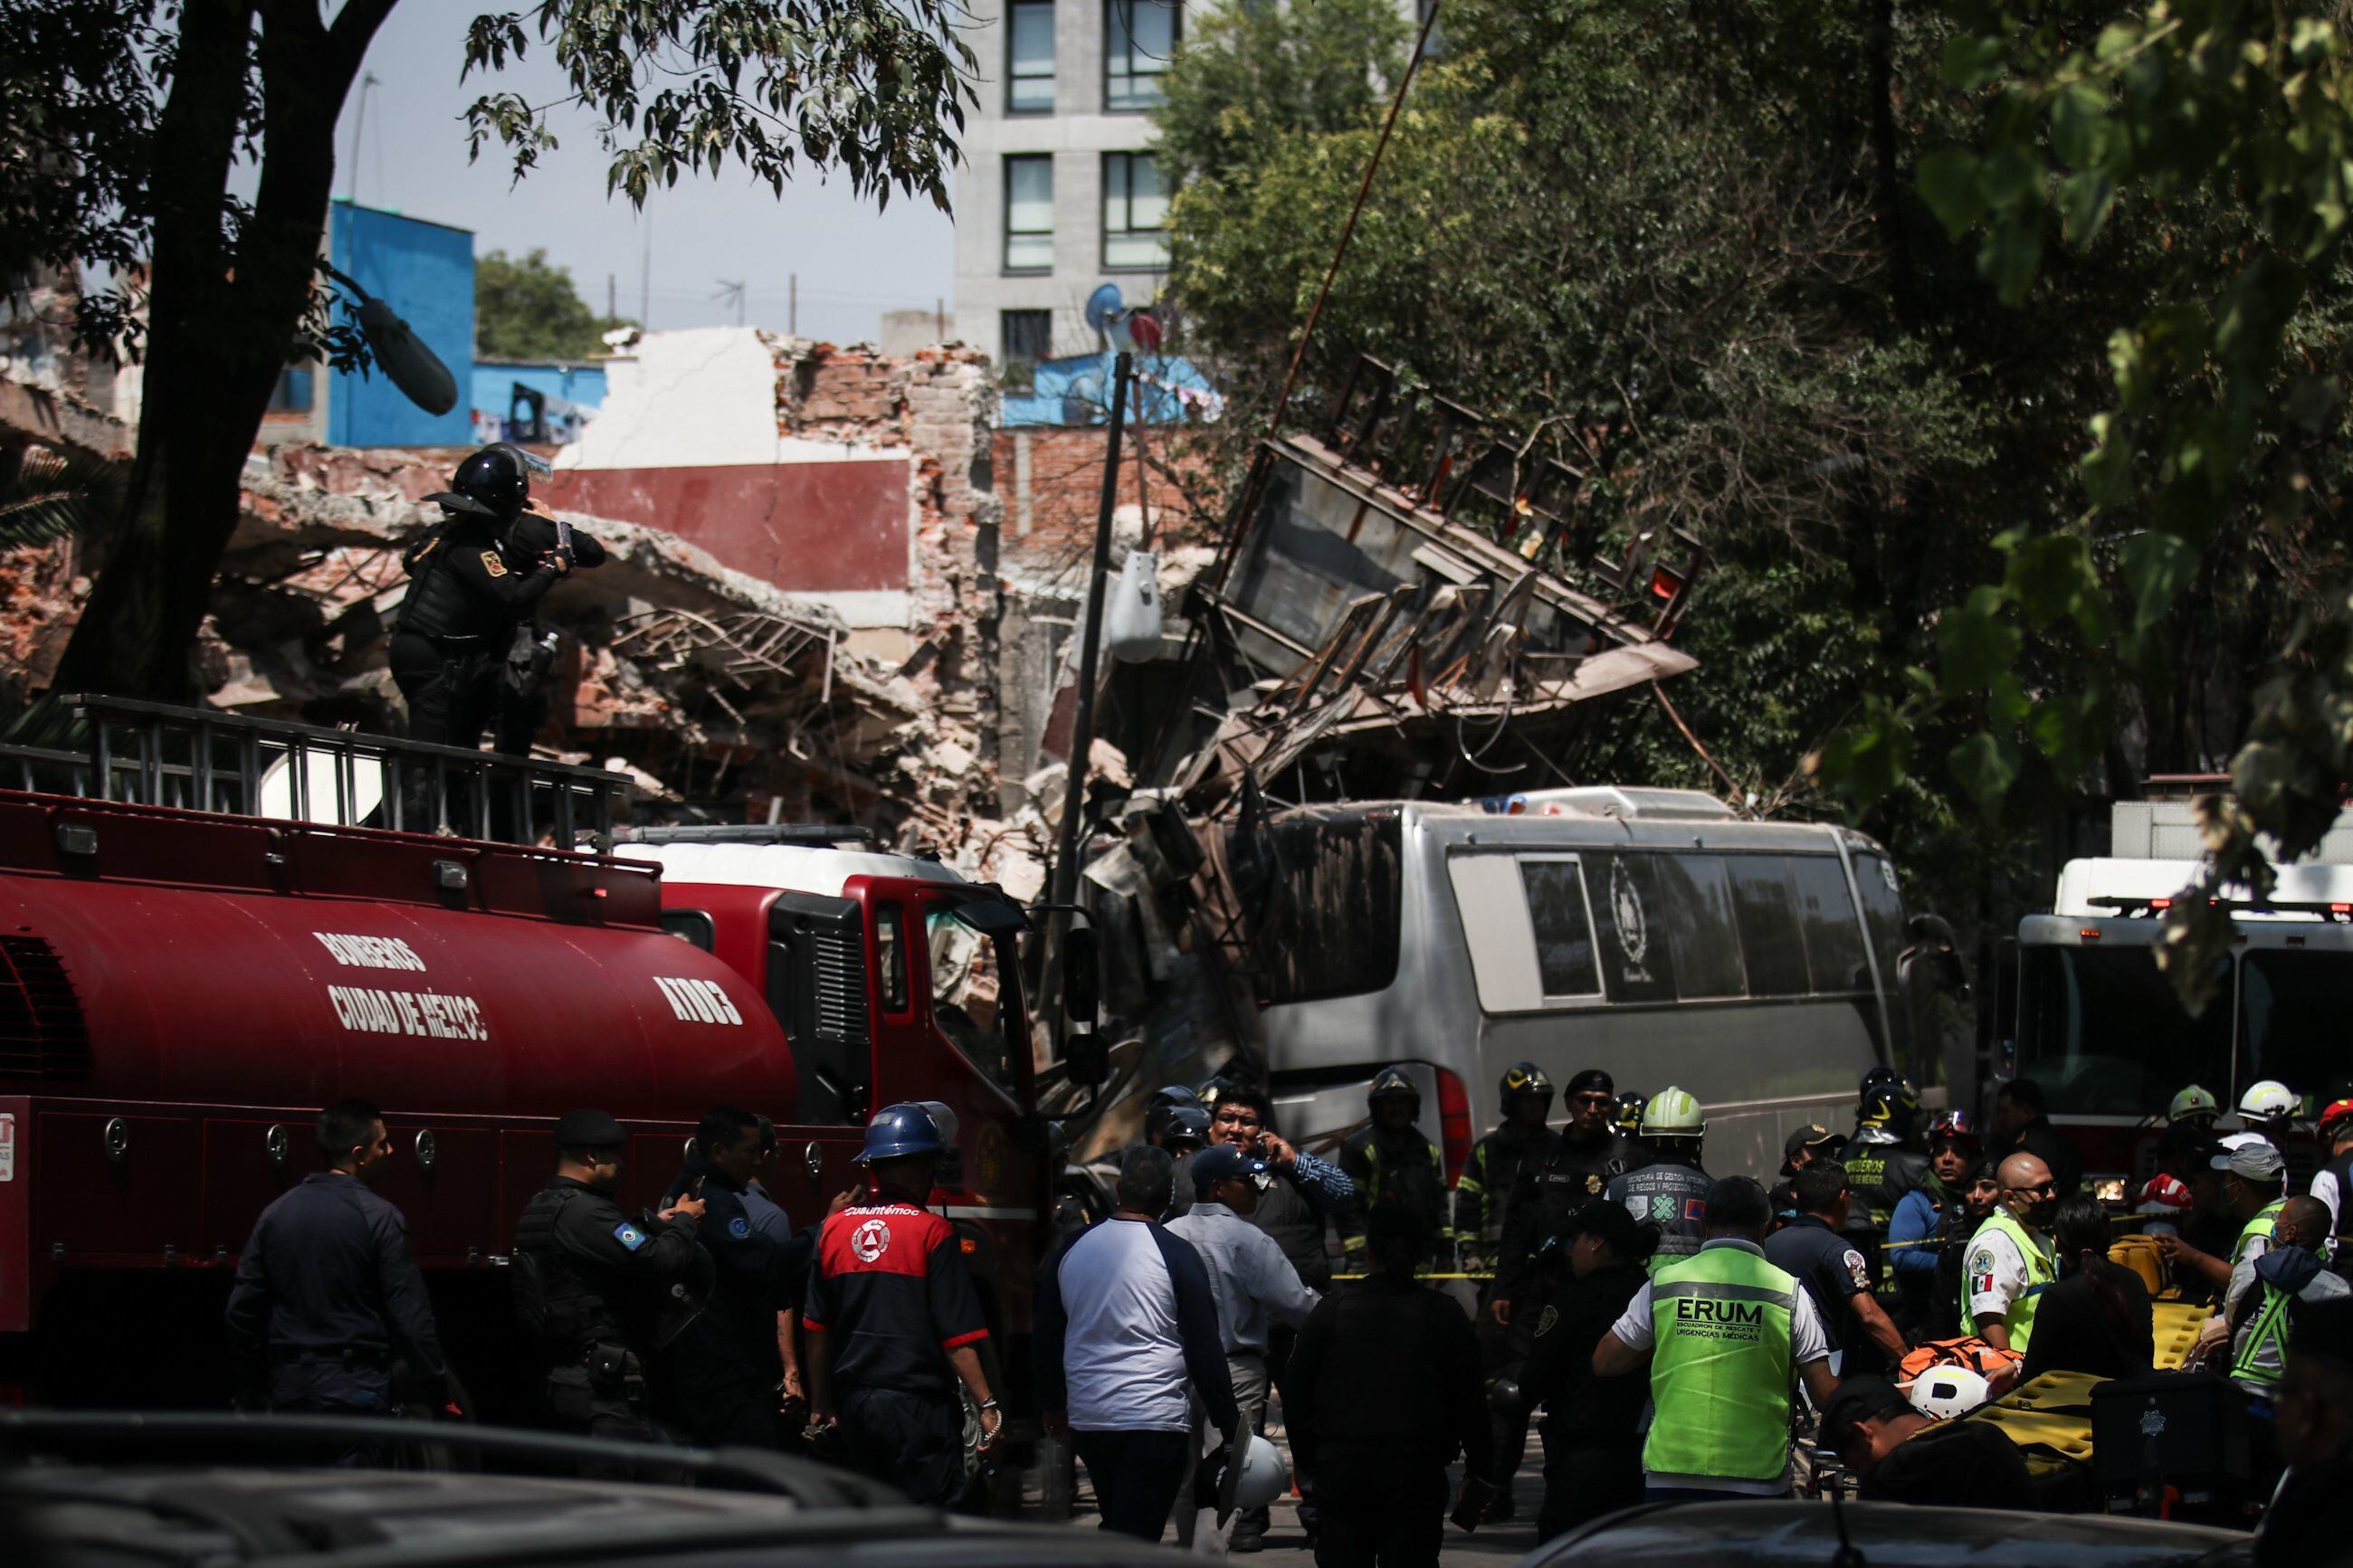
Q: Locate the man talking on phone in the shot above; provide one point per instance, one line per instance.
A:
(1294, 1212)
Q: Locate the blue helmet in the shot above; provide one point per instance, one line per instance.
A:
(899, 1130)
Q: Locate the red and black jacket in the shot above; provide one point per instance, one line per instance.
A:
(890, 1291)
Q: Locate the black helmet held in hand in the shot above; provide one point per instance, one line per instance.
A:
(494, 483)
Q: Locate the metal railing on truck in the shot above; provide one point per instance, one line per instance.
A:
(154, 754)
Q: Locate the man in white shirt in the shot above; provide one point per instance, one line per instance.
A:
(1253, 1281)
(1126, 1315)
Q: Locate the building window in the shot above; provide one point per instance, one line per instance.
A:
(1136, 212)
(292, 393)
(1028, 335)
(1030, 56)
(1139, 40)
(1029, 213)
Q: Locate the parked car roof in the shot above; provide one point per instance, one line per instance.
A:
(1889, 1535)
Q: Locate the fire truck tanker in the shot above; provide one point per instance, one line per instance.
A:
(180, 990)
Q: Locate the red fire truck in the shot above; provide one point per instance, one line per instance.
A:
(184, 981)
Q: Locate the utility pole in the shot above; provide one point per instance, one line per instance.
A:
(939, 319)
(359, 136)
(793, 304)
(612, 308)
(1082, 726)
(645, 273)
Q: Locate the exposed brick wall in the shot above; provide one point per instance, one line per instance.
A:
(1051, 498)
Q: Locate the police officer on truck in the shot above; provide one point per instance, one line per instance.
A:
(599, 1291)
(464, 654)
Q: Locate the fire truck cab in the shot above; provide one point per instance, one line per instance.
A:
(189, 970)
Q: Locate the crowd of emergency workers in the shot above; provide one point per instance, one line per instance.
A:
(1684, 1337)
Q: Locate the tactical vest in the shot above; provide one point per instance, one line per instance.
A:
(1879, 1174)
(556, 1300)
(1671, 1195)
(1405, 1168)
(2270, 1328)
(437, 605)
(2041, 1273)
(2260, 1226)
(1491, 1181)
(1721, 1322)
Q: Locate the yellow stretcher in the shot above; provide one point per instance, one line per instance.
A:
(2176, 1325)
(2050, 1419)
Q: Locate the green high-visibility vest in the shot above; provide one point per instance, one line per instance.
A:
(2041, 1273)
(2270, 1326)
(2260, 1226)
(1720, 1367)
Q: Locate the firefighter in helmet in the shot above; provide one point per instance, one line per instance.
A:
(1630, 1104)
(2268, 1109)
(466, 653)
(1882, 1162)
(1392, 1162)
(1671, 1189)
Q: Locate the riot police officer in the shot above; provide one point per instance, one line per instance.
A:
(1883, 1162)
(1392, 1162)
(1670, 1191)
(1576, 1168)
(601, 1292)
(464, 654)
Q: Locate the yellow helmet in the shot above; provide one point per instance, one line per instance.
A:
(1673, 1113)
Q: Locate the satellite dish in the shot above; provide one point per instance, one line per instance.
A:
(417, 370)
(1103, 308)
(1136, 331)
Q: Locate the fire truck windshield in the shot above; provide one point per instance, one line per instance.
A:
(2292, 1009)
(2101, 1030)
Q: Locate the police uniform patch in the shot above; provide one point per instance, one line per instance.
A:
(739, 1228)
(1592, 1185)
(629, 1235)
(1855, 1270)
(1546, 1324)
(494, 563)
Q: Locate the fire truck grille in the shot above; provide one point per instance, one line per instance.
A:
(838, 961)
(42, 1033)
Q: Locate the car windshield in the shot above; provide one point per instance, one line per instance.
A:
(2103, 1033)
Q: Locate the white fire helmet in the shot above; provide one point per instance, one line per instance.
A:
(1264, 1476)
(1673, 1113)
(1945, 1393)
(2268, 1101)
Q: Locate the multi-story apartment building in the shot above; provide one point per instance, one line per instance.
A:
(1060, 192)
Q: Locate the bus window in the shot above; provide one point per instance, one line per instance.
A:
(1564, 927)
(966, 968)
(2291, 1009)
(1325, 900)
(1834, 954)
(2103, 1033)
(1634, 957)
(1765, 907)
(1702, 938)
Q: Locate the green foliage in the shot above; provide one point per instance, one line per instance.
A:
(877, 88)
(528, 310)
(2223, 130)
(46, 496)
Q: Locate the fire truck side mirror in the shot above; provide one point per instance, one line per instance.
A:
(1082, 975)
(1086, 1060)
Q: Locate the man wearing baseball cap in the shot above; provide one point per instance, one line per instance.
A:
(1804, 1146)
(1255, 1286)
(2254, 1181)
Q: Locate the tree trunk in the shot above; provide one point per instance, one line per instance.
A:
(221, 324)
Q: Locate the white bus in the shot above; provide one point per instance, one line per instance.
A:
(1764, 966)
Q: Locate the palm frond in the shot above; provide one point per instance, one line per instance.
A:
(49, 495)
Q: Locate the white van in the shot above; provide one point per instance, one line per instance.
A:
(1761, 965)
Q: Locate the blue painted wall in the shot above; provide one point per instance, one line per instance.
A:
(424, 271)
(572, 392)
